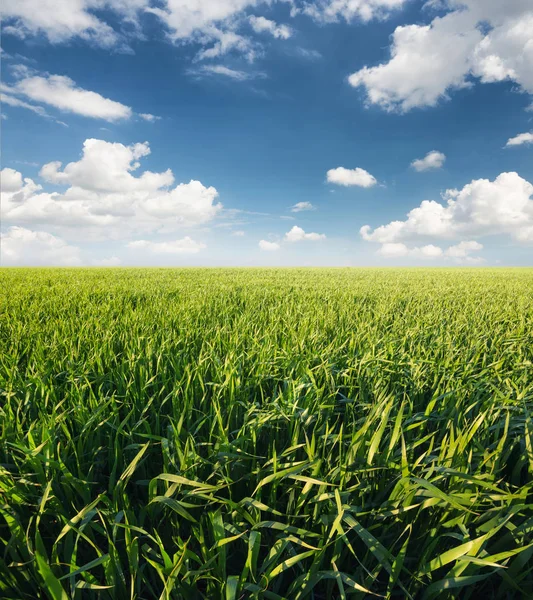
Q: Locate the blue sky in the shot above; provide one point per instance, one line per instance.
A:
(291, 130)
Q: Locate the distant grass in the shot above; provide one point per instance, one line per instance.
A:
(227, 434)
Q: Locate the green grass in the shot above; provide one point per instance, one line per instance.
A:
(225, 434)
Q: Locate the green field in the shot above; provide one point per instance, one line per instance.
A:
(266, 433)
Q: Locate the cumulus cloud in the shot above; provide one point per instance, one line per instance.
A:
(432, 160)
(398, 250)
(11, 180)
(62, 20)
(521, 138)
(268, 246)
(183, 246)
(301, 206)
(500, 207)
(485, 40)
(463, 249)
(207, 22)
(262, 25)
(107, 166)
(62, 93)
(348, 177)
(24, 247)
(460, 252)
(213, 24)
(327, 11)
(106, 197)
(297, 234)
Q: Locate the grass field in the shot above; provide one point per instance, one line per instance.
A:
(224, 434)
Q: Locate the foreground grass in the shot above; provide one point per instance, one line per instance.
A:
(227, 434)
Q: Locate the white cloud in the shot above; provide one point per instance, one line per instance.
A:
(398, 250)
(202, 21)
(235, 74)
(268, 246)
(460, 252)
(20, 246)
(212, 24)
(104, 198)
(107, 166)
(393, 250)
(238, 233)
(484, 39)
(11, 180)
(521, 138)
(12, 101)
(184, 246)
(112, 261)
(463, 249)
(500, 207)
(62, 20)
(347, 177)
(327, 11)
(62, 93)
(148, 117)
(188, 18)
(225, 42)
(307, 53)
(301, 206)
(261, 25)
(432, 160)
(297, 234)
(206, 22)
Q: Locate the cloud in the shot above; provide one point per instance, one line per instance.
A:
(10, 100)
(463, 249)
(23, 247)
(460, 252)
(211, 23)
(485, 40)
(432, 160)
(307, 53)
(521, 138)
(328, 11)
(398, 250)
(62, 20)
(223, 71)
(148, 117)
(297, 234)
(348, 177)
(106, 196)
(262, 25)
(226, 42)
(62, 93)
(112, 261)
(206, 22)
(238, 233)
(11, 180)
(268, 246)
(107, 167)
(301, 206)
(214, 25)
(500, 207)
(184, 246)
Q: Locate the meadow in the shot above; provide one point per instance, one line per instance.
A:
(266, 433)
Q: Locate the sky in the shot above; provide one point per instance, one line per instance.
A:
(267, 133)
